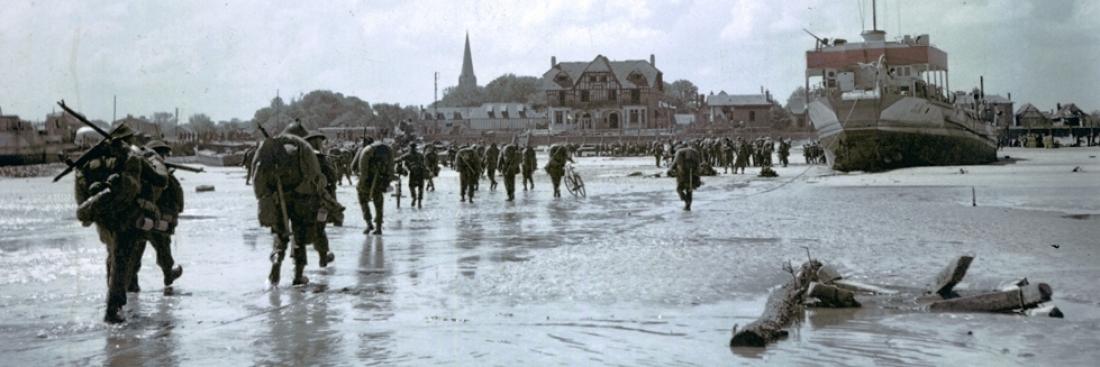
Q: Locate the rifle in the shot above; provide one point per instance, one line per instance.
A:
(100, 148)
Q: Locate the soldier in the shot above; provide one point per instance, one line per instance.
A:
(468, 165)
(491, 156)
(559, 154)
(328, 169)
(510, 159)
(686, 167)
(108, 186)
(744, 151)
(413, 163)
(293, 198)
(784, 151)
(168, 200)
(249, 154)
(530, 163)
(431, 160)
(375, 165)
(657, 150)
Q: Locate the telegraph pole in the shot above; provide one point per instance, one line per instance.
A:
(114, 109)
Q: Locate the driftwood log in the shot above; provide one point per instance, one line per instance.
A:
(1020, 298)
(944, 283)
(783, 307)
(830, 296)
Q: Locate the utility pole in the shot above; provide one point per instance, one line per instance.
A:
(435, 92)
(114, 109)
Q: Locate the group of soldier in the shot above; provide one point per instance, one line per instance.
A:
(133, 197)
(125, 187)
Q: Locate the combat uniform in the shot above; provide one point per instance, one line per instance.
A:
(413, 163)
(106, 189)
(491, 156)
(510, 159)
(555, 167)
(431, 160)
(291, 189)
(375, 164)
(686, 167)
(468, 165)
(530, 163)
(332, 176)
(744, 151)
(168, 200)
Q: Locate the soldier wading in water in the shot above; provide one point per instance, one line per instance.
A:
(685, 166)
(375, 165)
(293, 200)
(168, 200)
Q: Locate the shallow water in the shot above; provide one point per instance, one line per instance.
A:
(623, 277)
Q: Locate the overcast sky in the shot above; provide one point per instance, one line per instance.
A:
(227, 58)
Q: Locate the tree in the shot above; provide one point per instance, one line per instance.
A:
(462, 97)
(683, 94)
(511, 88)
(202, 125)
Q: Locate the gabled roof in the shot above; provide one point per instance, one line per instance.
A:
(1027, 107)
(1069, 110)
(723, 99)
(620, 70)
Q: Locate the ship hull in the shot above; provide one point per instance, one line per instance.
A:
(907, 132)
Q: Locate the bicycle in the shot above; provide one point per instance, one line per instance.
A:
(573, 182)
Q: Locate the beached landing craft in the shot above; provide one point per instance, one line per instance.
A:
(879, 105)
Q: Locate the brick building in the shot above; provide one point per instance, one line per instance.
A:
(606, 95)
(741, 110)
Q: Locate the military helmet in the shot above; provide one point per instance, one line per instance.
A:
(296, 128)
(122, 131)
(316, 135)
(158, 145)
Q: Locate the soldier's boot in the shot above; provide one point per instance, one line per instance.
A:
(299, 278)
(172, 274)
(369, 228)
(378, 228)
(276, 264)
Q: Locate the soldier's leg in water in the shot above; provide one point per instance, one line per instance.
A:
(280, 238)
(364, 205)
(472, 179)
(378, 202)
(462, 186)
(135, 267)
(162, 244)
(510, 186)
(120, 254)
(301, 234)
(320, 243)
(556, 181)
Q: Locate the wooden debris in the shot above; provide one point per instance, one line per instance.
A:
(783, 305)
(862, 287)
(1021, 298)
(830, 296)
(204, 188)
(949, 277)
(1046, 310)
(827, 274)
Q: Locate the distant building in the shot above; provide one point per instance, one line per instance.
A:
(605, 94)
(488, 116)
(140, 125)
(1068, 114)
(1000, 111)
(467, 79)
(741, 110)
(1029, 116)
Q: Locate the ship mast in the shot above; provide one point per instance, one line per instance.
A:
(874, 15)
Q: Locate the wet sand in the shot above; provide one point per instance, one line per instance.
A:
(623, 277)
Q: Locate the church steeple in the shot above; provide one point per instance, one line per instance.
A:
(467, 79)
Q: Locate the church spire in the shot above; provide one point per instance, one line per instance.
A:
(467, 79)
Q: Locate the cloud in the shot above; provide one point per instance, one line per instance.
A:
(227, 58)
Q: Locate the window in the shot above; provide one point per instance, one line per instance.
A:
(635, 96)
(492, 114)
(558, 117)
(612, 95)
(752, 116)
(456, 116)
(504, 114)
(603, 78)
(584, 96)
(633, 116)
(561, 98)
(439, 116)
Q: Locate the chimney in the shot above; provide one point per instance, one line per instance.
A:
(1010, 96)
(652, 60)
(553, 61)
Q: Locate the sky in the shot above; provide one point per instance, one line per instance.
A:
(228, 58)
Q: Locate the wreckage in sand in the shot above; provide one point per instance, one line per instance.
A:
(880, 105)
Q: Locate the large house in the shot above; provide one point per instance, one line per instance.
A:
(741, 110)
(606, 95)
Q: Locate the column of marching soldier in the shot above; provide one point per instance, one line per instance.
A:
(130, 193)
